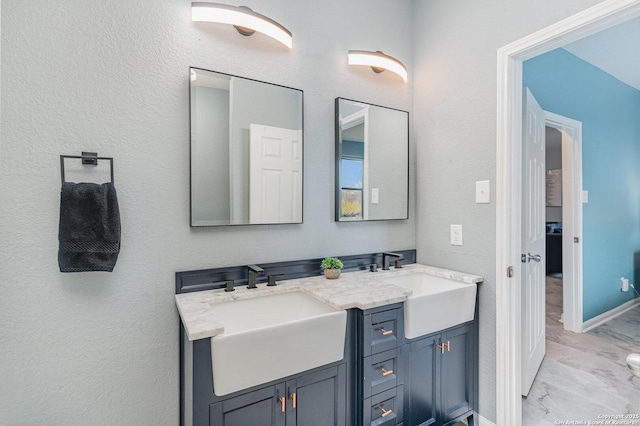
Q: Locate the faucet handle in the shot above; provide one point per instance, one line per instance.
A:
(229, 286)
(399, 263)
(373, 267)
(255, 268)
(385, 259)
(271, 280)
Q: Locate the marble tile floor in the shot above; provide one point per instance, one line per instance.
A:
(584, 376)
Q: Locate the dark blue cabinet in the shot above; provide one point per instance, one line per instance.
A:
(422, 381)
(260, 407)
(379, 393)
(440, 377)
(317, 398)
(457, 371)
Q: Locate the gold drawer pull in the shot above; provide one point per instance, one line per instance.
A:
(385, 413)
(282, 402)
(443, 345)
(386, 372)
(386, 332)
(293, 399)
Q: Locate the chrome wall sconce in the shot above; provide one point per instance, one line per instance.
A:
(378, 62)
(245, 20)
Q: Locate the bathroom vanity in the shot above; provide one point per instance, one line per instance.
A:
(379, 376)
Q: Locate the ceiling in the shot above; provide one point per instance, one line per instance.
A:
(615, 51)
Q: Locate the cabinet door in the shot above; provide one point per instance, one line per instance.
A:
(420, 382)
(261, 407)
(457, 373)
(318, 399)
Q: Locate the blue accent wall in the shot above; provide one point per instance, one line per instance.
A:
(610, 114)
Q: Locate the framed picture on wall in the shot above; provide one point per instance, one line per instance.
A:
(554, 187)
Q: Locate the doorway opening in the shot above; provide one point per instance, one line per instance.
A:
(570, 241)
(509, 186)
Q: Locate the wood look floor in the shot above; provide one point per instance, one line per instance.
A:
(584, 377)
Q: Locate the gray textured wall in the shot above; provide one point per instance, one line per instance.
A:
(113, 77)
(454, 130)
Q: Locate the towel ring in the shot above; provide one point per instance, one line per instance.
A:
(87, 158)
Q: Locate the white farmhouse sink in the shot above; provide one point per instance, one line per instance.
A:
(270, 337)
(436, 303)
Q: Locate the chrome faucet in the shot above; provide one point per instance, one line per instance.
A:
(386, 256)
(252, 273)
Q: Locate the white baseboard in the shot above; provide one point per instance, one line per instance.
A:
(485, 422)
(609, 315)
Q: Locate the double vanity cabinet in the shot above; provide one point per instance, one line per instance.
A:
(383, 379)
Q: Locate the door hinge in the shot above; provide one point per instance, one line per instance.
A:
(523, 258)
(510, 272)
(576, 240)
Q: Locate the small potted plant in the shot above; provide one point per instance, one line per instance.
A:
(331, 266)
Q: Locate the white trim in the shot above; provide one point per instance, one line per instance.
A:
(484, 422)
(509, 177)
(571, 218)
(609, 315)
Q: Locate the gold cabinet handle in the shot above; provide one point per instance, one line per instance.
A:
(385, 372)
(385, 413)
(293, 399)
(386, 332)
(444, 345)
(282, 403)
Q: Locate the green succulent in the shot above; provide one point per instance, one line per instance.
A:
(331, 263)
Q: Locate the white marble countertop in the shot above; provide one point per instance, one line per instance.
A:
(361, 289)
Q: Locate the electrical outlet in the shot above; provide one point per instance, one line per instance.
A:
(624, 284)
(456, 235)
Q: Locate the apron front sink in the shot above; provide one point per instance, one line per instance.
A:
(270, 337)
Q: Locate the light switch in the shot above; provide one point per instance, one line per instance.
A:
(585, 197)
(456, 235)
(483, 192)
(374, 195)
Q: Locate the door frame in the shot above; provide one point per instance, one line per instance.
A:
(509, 180)
(571, 131)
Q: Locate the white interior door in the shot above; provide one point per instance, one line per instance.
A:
(533, 240)
(275, 175)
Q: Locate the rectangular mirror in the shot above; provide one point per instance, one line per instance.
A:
(246, 151)
(372, 162)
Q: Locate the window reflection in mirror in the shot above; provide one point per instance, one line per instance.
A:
(372, 162)
(246, 151)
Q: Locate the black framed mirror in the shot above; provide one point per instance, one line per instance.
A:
(372, 162)
(246, 151)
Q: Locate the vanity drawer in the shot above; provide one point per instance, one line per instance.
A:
(384, 409)
(381, 372)
(383, 331)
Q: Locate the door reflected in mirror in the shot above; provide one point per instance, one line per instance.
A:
(246, 151)
(372, 162)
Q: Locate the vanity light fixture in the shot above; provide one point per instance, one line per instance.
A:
(378, 62)
(245, 20)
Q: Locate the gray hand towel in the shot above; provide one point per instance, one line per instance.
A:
(89, 232)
